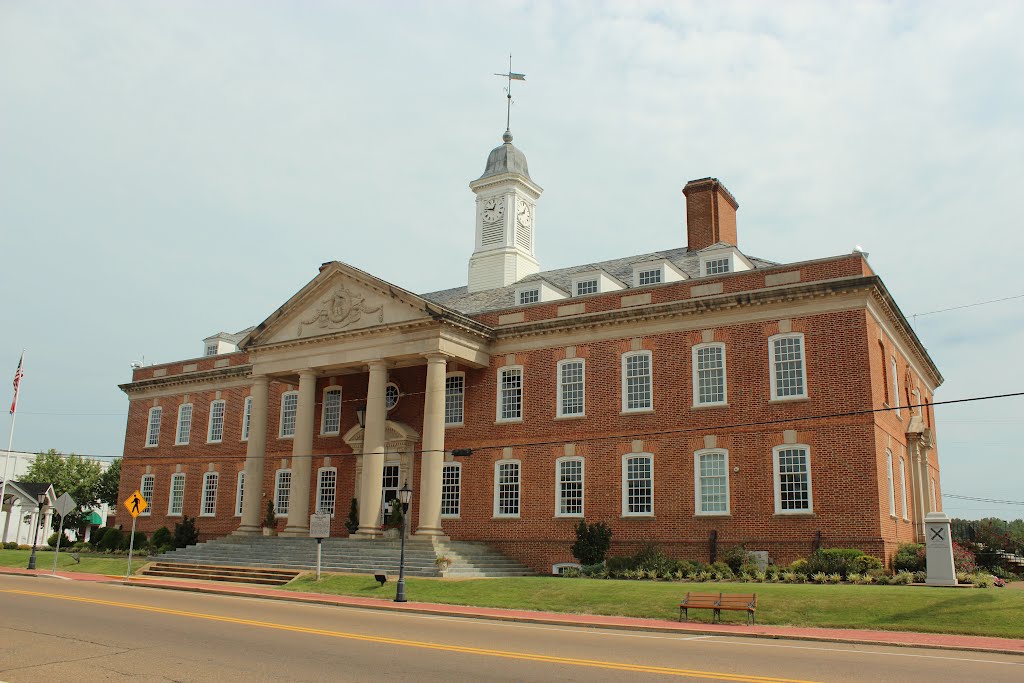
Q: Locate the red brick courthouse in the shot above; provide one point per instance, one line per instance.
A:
(690, 397)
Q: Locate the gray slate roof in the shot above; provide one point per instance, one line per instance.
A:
(459, 298)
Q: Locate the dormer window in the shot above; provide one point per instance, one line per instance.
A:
(723, 259)
(211, 349)
(656, 272)
(648, 277)
(595, 282)
(718, 265)
(586, 287)
(529, 296)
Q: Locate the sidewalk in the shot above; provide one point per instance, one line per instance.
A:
(890, 638)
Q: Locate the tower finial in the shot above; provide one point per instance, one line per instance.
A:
(511, 76)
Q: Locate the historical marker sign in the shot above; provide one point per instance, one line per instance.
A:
(319, 526)
(136, 504)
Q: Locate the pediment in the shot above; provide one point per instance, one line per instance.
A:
(340, 299)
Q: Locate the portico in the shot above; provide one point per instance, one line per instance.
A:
(346, 322)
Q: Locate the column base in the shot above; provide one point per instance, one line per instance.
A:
(367, 532)
(247, 531)
(426, 531)
(296, 531)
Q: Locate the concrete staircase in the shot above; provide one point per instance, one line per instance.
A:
(202, 572)
(346, 555)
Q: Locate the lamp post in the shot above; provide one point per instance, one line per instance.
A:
(361, 416)
(35, 532)
(404, 497)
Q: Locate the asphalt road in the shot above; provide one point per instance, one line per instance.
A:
(54, 630)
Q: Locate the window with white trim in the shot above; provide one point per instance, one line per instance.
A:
(716, 266)
(903, 486)
(570, 394)
(153, 433)
(454, 398)
(211, 349)
(569, 487)
(176, 499)
(289, 408)
(282, 492)
(506, 488)
(246, 418)
(391, 395)
(895, 387)
(239, 493)
(451, 489)
(215, 431)
(711, 482)
(510, 393)
(637, 484)
(208, 505)
(709, 374)
(586, 287)
(787, 366)
(791, 466)
(529, 296)
(648, 277)
(636, 381)
(892, 484)
(184, 431)
(560, 568)
(146, 489)
(330, 423)
(326, 489)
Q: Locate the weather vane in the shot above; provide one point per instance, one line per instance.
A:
(511, 76)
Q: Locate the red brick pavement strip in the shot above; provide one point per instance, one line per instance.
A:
(945, 641)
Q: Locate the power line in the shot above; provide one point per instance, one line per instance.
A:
(983, 500)
(977, 303)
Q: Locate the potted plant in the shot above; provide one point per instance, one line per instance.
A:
(393, 520)
(443, 564)
(270, 520)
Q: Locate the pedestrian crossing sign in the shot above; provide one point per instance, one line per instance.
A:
(136, 504)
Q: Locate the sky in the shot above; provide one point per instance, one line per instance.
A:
(169, 170)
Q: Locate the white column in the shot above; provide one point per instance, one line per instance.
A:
(371, 491)
(256, 448)
(302, 456)
(432, 460)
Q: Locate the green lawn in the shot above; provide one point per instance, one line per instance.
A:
(92, 563)
(984, 612)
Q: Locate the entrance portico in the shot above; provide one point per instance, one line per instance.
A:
(346, 322)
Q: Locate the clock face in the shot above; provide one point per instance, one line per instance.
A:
(525, 214)
(493, 209)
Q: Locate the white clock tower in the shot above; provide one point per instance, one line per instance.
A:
(506, 200)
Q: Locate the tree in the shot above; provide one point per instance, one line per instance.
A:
(592, 542)
(72, 475)
(106, 486)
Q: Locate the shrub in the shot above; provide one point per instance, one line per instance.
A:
(735, 557)
(799, 567)
(835, 577)
(619, 564)
(592, 569)
(351, 524)
(592, 542)
(161, 537)
(572, 573)
(97, 537)
(963, 559)
(269, 518)
(920, 577)
(883, 580)
(903, 578)
(111, 540)
(52, 541)
(760, 576)
(789, 577)
(982, 581)
(749, 569)
(909, 557)
(868, 564)
(819, 577)
(137, 542)
(855, 577)
(651, 556)
(723, 569)
(10, 545)
(185, 532)
(833, 560)
(79, 545)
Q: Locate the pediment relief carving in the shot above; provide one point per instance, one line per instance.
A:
(341, 308)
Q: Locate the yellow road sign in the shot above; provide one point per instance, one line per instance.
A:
(136, 504)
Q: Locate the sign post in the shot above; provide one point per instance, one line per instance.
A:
(319, 528)
(135, 505)
(63, 506)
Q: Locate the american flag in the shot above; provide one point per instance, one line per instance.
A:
(18, 374)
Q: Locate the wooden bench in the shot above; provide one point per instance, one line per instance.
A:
(733, 602)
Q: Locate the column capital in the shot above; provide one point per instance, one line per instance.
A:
(260, 379)
(308, 372)
(436, 357)
(378, 364)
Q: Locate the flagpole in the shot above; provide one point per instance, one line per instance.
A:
(10, 441)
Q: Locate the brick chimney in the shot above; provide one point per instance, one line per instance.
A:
(710, 214)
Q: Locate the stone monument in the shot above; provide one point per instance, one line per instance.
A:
(939, 548)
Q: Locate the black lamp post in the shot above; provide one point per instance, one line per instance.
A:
(361, 416)
(35, 532)
(404, 497)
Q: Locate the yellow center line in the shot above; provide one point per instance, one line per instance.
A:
(619, 666)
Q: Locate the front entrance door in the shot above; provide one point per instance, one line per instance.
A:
(390, 486)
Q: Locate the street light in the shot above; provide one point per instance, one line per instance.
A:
(404, 497)
(35, 534)
(361, 416)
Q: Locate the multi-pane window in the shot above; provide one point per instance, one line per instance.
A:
(153, 433)
(716, 266)
(289, 407)
(454, 399)
(903, 485)
(239, 493)
(792, 465)
(390, 477)
(570, 387)
(208, 506)
(184, 424)
(331, 423)
(895, 388)
(146, 489)
(282, 491)
(709, 374)
(636, 381)
(451, 489)
(529, 296)
(326, 490)
(246, 418)
(506, 488)
(711, 473)
(569, 487)
(892, 485)
(510, 394)
(637, 485)
(177, 497)
(215, 434)
(586, 287)
(211, 349)
(788, 376)
(391, 395)
(648, 277)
